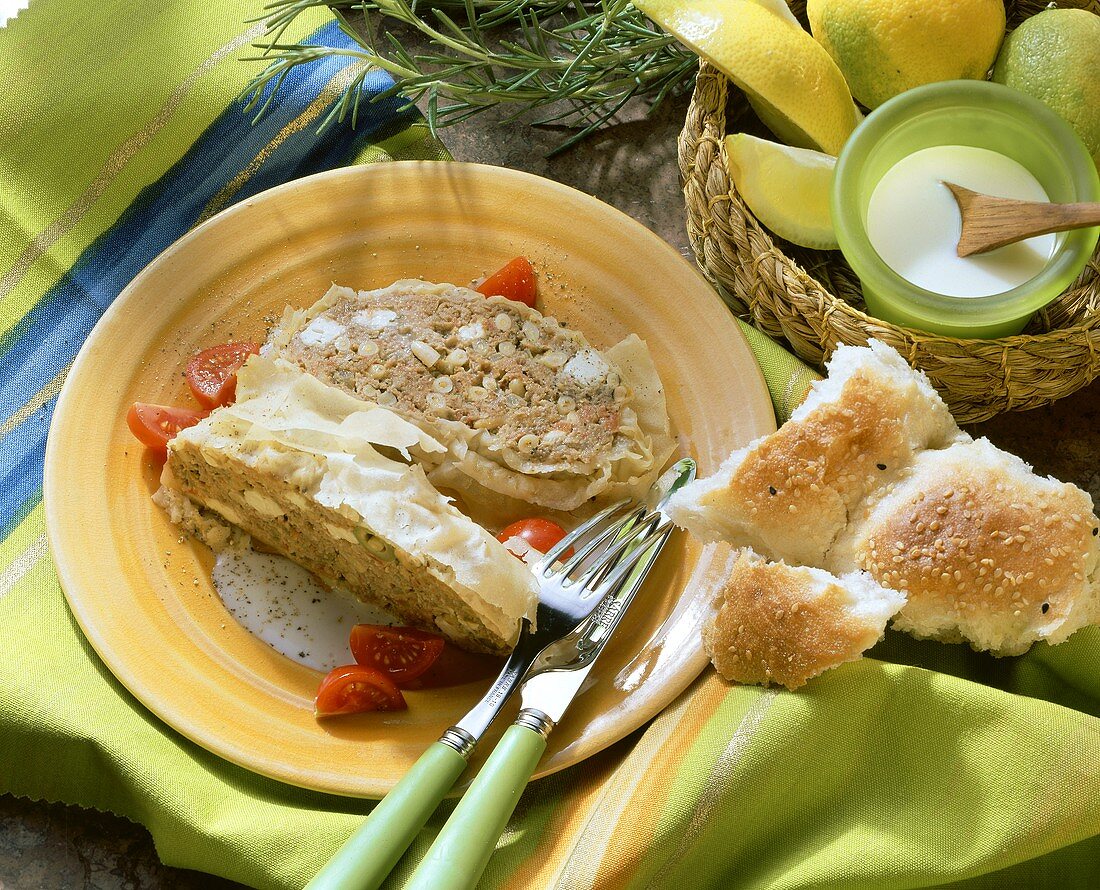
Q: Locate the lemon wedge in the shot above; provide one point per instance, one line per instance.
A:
(786, 188)
(791, 81)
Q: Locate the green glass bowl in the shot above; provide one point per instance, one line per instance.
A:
(962, 112)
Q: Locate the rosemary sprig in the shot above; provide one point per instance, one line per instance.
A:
(582, 60)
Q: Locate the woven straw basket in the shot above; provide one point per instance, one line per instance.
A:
(812, 299)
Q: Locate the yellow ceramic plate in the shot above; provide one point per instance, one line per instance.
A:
(143, 596)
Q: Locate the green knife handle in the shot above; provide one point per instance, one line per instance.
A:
(462, 850)
(368, 856)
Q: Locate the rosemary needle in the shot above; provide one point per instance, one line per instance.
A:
(586, 58)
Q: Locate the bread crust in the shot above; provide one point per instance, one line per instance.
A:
(788, 495)
(780, 624)
(984, 549)
(872, 474)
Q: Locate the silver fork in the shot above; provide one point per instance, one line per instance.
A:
(568, 594)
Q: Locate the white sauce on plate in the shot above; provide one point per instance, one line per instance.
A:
(282, 604)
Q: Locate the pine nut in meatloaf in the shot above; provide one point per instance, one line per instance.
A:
(526, 407)
(330, 482)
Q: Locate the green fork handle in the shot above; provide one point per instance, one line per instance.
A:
(368, 856)
(462, 850)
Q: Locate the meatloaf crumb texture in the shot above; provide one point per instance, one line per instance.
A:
(546, 401)
(338, 550)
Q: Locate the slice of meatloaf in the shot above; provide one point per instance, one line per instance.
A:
(526, 407)
(330, 481)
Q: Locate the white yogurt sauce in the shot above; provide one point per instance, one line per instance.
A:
(282, 604)
(913, 222)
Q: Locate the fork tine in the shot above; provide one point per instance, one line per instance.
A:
(610, 532)
(643, 525)
(608, 565)
(624, 568)
(553, 554)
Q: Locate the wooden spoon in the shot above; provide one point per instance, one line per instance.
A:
(989, 222)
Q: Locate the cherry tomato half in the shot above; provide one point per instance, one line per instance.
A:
(212, 373)
(516, 281)
(401, 653)
(353, 689)
(541, 534)
(155, 425)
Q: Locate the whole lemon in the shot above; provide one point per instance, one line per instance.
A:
(885, 47)
(1055, 57)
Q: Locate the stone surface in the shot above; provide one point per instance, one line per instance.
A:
(632, 166)
(48, 846)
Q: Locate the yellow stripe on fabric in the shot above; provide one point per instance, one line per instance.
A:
(708, 796)
(21, 565)
(42, 176)
(29, 409)
(328, 95)
(72, 215)
(633, 838)
(569, 796)
(22, 550)
(590, 836)
(23, 536)
(537, 820)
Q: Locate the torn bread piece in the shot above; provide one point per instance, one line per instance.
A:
(985, 550)
(788, 495)
(780, 624)
(525, 407)
(331, 482)
(871, 474)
